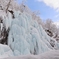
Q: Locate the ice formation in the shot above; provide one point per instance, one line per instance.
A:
(5, 51)
(26, 36)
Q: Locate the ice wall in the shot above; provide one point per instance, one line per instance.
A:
(26, 36)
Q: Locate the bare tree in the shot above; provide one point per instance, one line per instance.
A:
(48, 24)
(8, 5)
(51, 28)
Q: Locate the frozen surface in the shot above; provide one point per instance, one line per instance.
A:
(5, 51)
(27, 37)
(47, 55)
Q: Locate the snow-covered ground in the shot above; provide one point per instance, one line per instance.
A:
(47, 55)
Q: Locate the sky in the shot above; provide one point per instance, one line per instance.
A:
(49, 9)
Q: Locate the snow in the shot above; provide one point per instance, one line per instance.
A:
(7, 20)
(1, 26)
(5, 51)
(47, 55)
